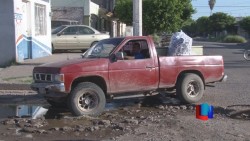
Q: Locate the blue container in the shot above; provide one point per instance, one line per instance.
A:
(204, 109)
(211, 112)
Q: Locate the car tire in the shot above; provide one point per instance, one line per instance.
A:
(86, 99)
(53, 50)
(190, 88)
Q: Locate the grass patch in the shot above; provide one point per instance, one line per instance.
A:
(234, 39)
(23, 80)
(228, 39)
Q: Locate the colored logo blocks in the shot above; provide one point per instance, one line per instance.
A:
(204, 111)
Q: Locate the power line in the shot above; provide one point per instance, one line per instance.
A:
(219, 6)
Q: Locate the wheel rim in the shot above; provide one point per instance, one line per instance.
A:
(88, 101)
(193, 89)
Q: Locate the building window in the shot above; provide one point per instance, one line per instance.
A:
(40, 20)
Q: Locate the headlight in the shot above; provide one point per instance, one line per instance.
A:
(59, 78)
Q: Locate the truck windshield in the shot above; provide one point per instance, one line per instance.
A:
(103, 48)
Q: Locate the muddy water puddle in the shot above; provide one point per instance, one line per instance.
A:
(41, 119)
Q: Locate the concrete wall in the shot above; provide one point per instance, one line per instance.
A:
(7, 34)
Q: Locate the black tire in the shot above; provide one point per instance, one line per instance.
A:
(53, 50)
(86, 99)
(190, 88)
(247, 55)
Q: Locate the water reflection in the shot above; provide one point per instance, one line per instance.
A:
(32, 111)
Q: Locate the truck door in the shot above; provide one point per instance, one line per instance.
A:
(130, 74)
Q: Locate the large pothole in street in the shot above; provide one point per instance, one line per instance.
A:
(241, 112)
(121, 116)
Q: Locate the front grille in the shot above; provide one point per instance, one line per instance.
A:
(43, 77)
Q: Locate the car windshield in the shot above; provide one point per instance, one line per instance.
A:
(103, 48)
(58, 29)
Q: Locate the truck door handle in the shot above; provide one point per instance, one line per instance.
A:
(75, 37)
(149, 67)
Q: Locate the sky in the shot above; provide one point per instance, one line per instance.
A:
(236, 8)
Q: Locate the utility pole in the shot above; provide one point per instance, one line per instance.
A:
(137, 17)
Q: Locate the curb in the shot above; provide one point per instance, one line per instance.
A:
(17, 92)
(13, 86)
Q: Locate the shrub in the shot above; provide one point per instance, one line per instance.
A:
(234, 39)
(156, 39)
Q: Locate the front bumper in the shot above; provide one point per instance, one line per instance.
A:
(49, 89)
(224, 78)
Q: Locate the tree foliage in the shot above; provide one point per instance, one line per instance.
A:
(220, 21)
(245, 24)
(202, 24)
(124, 11)
(158, 15)
(190, 28)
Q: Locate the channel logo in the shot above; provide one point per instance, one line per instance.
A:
(204, 111)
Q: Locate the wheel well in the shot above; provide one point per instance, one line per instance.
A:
(94, 79)
(193, 72)
(94, 42)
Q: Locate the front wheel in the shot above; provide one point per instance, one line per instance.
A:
(86, 99)
(190, 88)
(247, 55)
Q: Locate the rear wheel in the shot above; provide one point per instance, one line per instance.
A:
(86, 99)
(53, 49)
(190, 88)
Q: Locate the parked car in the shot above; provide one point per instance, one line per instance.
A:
(103, 72)
(75, 37)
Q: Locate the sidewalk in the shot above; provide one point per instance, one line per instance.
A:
(19, 77)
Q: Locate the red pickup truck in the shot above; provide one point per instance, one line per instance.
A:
(104, 72)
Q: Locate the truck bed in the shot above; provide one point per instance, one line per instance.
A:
(206, 66)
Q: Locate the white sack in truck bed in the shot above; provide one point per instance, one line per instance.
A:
(180, 44)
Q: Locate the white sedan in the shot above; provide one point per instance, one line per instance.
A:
(75, 37)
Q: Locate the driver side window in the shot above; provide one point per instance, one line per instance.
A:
(70, 31)
(134, 49)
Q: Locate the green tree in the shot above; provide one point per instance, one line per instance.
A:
(202, 25)
(124, 11)
(190, 28)
(220, 21)
(158, 15)
(245, 24)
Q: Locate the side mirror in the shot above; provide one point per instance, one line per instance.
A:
(60, 33)
(119, 55)
(112, 58)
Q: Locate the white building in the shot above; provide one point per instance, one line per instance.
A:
(25, 30)
(95, 13)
